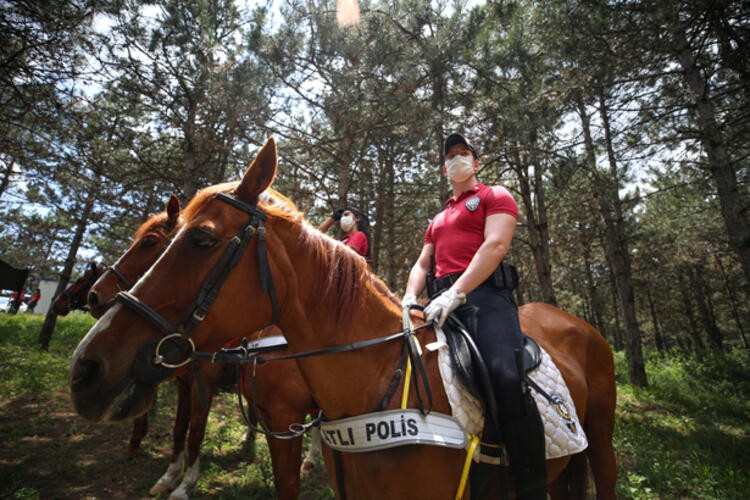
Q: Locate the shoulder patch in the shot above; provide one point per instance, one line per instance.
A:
(472, 203)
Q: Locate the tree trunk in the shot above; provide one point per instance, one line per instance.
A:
(541, 228)
(732, 295)
(535, 233)
(617, 327)
(45, 335)
(386, 226)
(688, 311)
(593, 298)
(7, 174)
(605, 192)
(733, 47)
(733, 208)
(705, 309)
(658, 339)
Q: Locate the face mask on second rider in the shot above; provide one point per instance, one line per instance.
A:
(347, 223)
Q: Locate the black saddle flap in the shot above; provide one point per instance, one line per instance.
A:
(469, 365)
(532, 354)
(458, 339)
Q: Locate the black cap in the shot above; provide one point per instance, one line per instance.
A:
(454, 139)
(364, 220)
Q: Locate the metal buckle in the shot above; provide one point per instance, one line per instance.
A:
(160, 360)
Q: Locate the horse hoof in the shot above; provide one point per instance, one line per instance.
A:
(159, 488)
(179, 494)
(306, 469)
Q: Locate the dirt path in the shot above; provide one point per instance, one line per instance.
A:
(46, 449)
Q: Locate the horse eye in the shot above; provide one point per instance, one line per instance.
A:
(203, 239)
(148, 241)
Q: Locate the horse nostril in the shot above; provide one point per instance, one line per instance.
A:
(93, 299)
(84, 374)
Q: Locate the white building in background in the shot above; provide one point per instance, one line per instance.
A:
(47, 288)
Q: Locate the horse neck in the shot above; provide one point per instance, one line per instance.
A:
(345, 383)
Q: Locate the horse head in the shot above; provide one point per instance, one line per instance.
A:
(74, 296)
(114, 372)
(149, 241)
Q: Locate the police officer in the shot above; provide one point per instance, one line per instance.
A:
(467, 242)
(354, 224)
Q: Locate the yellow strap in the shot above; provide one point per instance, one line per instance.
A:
(467, 466)
(407, 380)
(474, 439)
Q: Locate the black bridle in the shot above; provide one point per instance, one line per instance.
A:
(168, 228)
(86, 282)
(120, 277)
(157, 359)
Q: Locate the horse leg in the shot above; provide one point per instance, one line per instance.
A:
(600, 425)
(570, 484)
(248, 443)
(171, 477)
(140, 428)
(286, 455)
(201, 395)
(309, 462)
(601, 454)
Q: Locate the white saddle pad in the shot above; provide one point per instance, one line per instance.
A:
(563, 432)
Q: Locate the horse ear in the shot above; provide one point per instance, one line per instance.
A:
(259, 175)
(173, 210)
(92, 266)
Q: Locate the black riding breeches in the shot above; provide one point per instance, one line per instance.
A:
(498, 336)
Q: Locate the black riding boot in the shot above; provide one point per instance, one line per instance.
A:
(524, 440)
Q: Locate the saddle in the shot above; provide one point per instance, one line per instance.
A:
(471, 368)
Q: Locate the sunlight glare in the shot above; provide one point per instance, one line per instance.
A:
(347, 13)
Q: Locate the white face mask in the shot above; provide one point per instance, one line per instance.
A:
(460, 167)
(347, 223)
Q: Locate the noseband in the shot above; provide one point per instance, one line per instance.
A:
(113, 269)
(157, 359)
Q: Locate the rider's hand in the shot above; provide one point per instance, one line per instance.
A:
(409, 300)
(336, 215)
(443, 305)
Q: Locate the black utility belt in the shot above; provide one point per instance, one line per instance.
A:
(505, 277)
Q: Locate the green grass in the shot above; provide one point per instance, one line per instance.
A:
(25, 370)
(686, 434)
(683, 436)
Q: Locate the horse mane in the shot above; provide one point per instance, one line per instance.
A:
(350, 277)
(151, 222)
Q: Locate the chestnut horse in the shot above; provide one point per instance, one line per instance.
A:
(150, 239)
(74, 295)
(259, 264)
(281, 395)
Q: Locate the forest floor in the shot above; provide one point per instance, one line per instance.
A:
(686, 435)
(48, 451)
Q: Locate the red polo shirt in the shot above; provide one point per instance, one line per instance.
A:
(458, 231)
(357, 241)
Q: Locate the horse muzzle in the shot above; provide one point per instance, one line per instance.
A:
(97, 399)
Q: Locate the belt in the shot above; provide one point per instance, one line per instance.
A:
(505, 277)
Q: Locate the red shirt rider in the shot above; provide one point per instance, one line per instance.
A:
(460, 226)
(357, 241)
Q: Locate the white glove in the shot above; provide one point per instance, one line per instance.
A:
(443, 305)
(409, 300)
